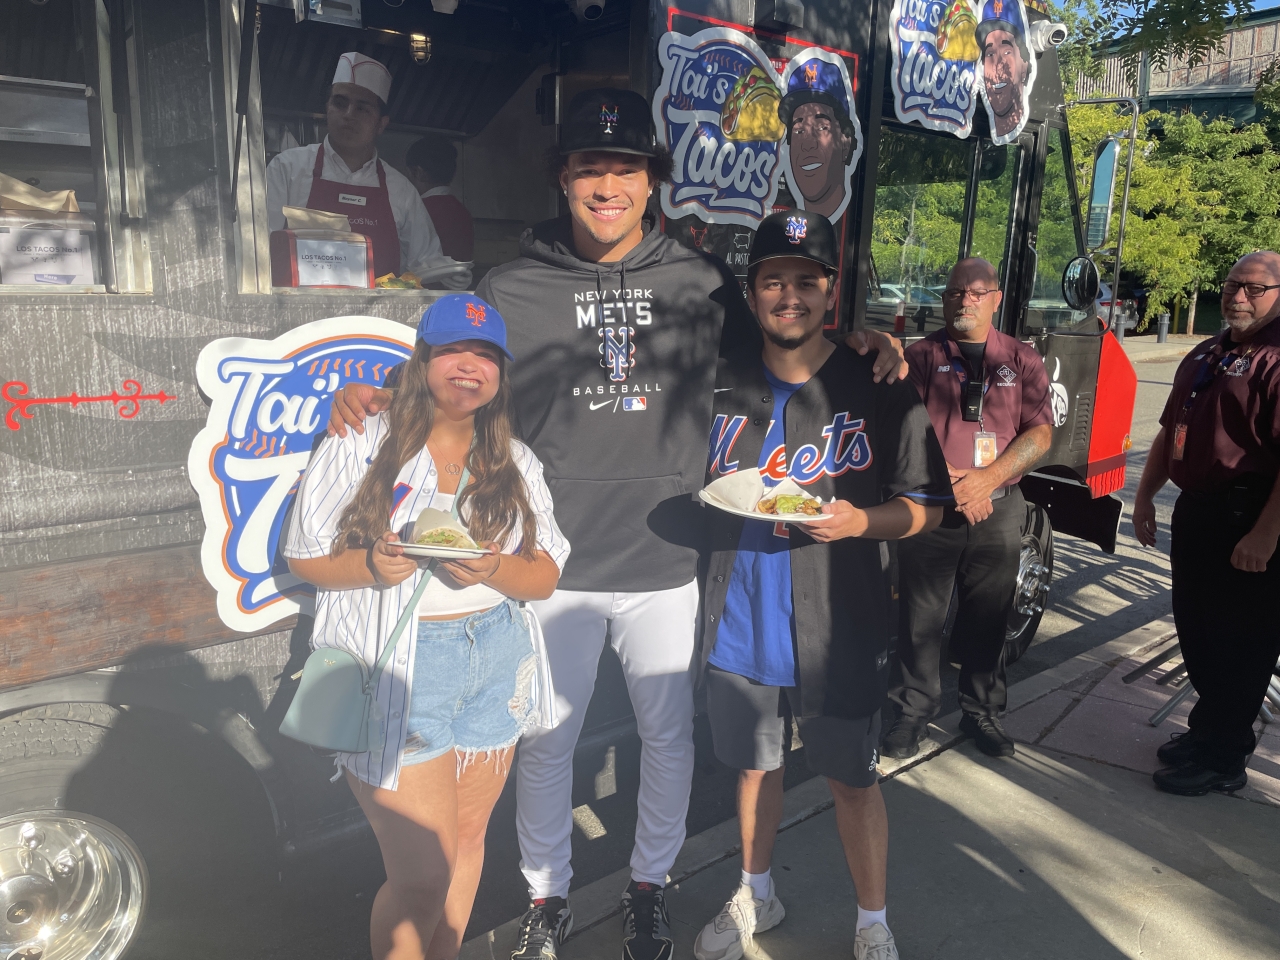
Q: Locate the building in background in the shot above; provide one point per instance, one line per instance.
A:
(1221, 86)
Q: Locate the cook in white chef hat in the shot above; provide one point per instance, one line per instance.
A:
(364, 72)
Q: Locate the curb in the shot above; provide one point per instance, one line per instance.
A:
(598, 901)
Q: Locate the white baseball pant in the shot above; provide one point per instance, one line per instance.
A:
(653, 635)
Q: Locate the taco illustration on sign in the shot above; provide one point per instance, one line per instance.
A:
(956, 33)
(751, 110)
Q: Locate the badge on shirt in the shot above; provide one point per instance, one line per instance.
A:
(984, 448)
(358, 200)
(1179, 440)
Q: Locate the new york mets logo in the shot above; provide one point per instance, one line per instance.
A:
(617, 351)
(608, 117)
(847, 447)
(475, 313)
(811, 74)
(797, 229)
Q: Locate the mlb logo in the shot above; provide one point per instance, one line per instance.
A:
(797, 229)
(608, 117)
(475, 313)
(635, 403)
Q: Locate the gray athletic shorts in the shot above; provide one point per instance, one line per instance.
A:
(750, 730)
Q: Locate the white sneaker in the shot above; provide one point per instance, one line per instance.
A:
(735, 926)
(874, 943)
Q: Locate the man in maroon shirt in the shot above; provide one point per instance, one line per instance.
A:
(1219, 441)
(988, 399)
(432, 163)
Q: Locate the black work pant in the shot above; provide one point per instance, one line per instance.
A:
(1227, 625)
(981, 563)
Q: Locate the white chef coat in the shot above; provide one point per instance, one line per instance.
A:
(289, 185)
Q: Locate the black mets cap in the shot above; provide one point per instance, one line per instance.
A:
(608, 119)
(795, 233)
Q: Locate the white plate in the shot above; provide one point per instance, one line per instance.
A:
(442, 553)
(757, 515)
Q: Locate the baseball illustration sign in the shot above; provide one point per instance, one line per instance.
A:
(823, 136)
(270, 400)
(948, 53)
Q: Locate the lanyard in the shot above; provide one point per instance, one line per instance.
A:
(961, 367)
(1210, 367)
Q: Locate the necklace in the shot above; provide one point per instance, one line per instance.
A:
(452, 469)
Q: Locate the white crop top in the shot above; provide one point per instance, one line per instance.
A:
(442, 596)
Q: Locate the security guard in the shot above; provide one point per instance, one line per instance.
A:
(1219, 441)
(344, 175)
(988, 398)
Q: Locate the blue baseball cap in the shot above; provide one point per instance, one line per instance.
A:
(1003, 15)
(816, 81)
(463, 316)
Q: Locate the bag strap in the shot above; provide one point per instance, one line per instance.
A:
(411, 610)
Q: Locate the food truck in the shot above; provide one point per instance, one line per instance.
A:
(170, 359)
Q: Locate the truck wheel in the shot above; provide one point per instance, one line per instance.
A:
(71, 885)
(1035, 574)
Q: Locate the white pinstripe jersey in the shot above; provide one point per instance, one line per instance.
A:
(360, 620)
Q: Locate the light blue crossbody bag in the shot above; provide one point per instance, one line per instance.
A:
(333, 706)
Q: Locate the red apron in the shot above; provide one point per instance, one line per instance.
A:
(368, 209)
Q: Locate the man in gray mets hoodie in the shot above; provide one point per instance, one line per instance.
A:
(616, 329)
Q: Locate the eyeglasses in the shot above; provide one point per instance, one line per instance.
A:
(1251, 290)
(977, 294)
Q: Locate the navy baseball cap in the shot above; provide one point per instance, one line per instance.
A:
(608, 120)
(795, 233)
(463, 316)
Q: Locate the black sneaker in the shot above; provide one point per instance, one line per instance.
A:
(987, 735)
(903, 739)
(646, 929)
(546, 924)
(1177, 751)
(1190, 779)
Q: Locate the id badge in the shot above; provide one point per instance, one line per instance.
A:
(984, 449)
(1179, 440)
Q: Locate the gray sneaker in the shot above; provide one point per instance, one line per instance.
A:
(874, 943)
(728, 936)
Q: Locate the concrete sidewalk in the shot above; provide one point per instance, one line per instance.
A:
(1066, 850)
(1145, 349)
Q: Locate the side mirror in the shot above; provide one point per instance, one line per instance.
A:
(1106, 159)
(1080, 283)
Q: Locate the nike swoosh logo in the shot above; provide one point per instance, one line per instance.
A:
(722, 389)
(602, 403)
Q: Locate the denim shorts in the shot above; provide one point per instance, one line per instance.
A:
(472, 679)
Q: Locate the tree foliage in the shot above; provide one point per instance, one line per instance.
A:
(1203, 194)
(1163, 30)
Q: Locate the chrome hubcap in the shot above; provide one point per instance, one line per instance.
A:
(71, 887)
(1032, 590)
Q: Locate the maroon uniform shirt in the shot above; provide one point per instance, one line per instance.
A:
(453, 225)
(1016, 397)
(1233, 424)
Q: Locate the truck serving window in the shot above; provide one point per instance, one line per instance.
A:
(930, 211)
(458, 171)
(71, 197)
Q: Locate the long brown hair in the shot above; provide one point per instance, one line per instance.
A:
(494, 501)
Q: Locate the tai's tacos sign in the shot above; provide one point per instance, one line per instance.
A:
(948, 53)
(727, 116)
(270, 401)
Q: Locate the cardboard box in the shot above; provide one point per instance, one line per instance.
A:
(321, 258)
(55, 249)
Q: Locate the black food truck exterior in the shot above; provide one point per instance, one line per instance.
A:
(161, 396)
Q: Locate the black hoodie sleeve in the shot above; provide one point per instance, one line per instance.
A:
(740, 330)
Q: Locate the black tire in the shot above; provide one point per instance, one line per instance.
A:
(40, 756)
(1035, 576)
(193, 809)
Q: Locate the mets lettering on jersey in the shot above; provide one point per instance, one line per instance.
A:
(269, 400)
(847, 448)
